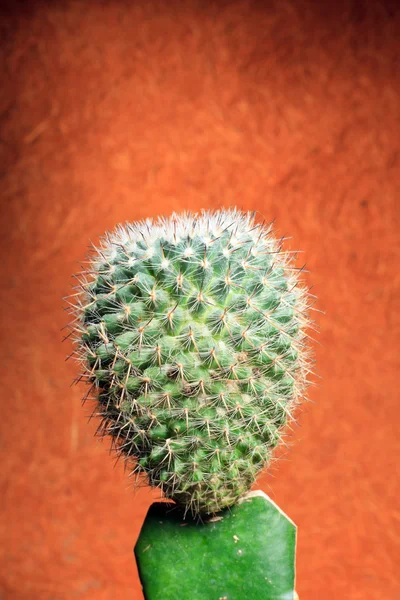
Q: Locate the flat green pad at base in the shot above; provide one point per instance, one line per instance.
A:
(247, 552)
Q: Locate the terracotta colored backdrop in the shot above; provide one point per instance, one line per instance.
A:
(114, 111)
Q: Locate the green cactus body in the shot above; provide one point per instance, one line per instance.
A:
(192, 333)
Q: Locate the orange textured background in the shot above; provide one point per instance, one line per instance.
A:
(114, 111)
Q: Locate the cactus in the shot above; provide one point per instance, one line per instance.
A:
(192, 333)
(247, 551)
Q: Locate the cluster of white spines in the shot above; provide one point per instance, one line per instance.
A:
(208, 225)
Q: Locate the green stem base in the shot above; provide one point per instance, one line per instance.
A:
(246, 552)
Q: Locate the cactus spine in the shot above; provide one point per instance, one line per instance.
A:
(191, 330)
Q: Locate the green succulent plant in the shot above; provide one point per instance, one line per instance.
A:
(192, 333)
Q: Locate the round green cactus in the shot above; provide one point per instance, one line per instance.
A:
(191, 330)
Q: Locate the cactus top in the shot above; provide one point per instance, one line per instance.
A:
(191, 330)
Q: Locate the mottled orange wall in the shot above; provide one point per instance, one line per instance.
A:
(114, 111)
